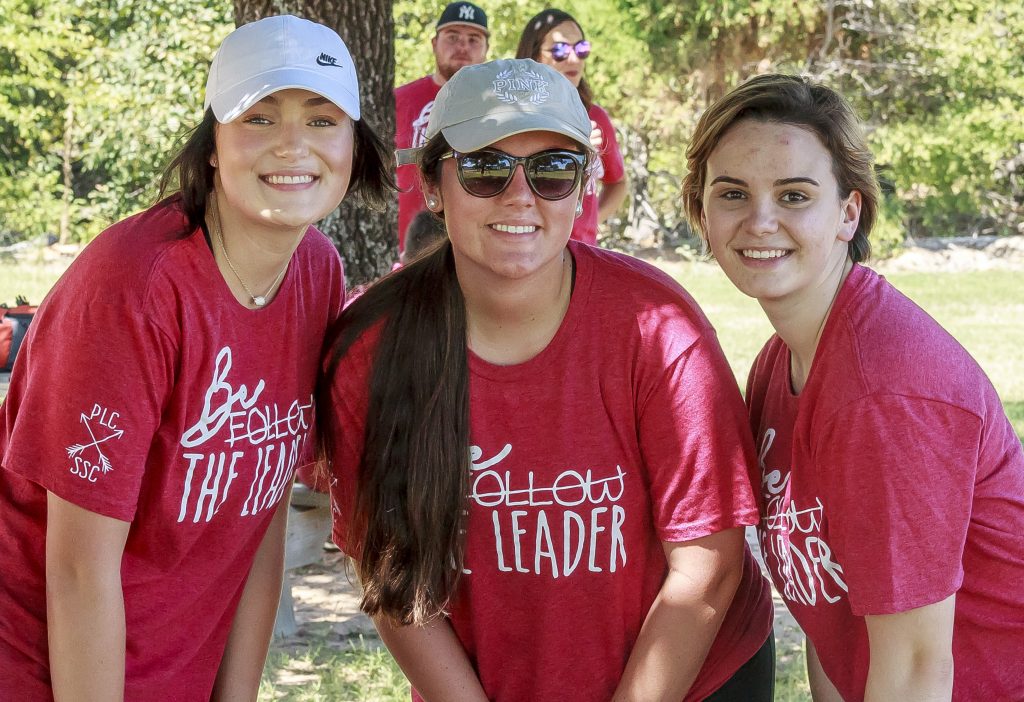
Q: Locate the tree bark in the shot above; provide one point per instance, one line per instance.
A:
(366, 239)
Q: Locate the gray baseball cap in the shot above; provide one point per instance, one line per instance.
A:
(490, 101)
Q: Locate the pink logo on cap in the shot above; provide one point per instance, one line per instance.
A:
(520, 84)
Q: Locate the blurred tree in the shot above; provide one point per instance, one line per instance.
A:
(93, 95)
(367, 240)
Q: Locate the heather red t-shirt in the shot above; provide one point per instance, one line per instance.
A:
(413, 102)
(610, 168)
(626, 431)
(146, 393)
(891, 482)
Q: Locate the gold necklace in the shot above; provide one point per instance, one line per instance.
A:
(257, 300)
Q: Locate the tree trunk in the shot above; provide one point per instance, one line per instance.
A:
(366, 239)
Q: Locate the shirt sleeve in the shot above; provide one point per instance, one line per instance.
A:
(900, 477)
(697, 447)
(87, 403)
(346, 424)
(611, 155)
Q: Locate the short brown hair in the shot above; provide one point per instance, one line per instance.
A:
(800, 102)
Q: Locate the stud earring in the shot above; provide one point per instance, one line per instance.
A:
(432, 203)
(579, 208)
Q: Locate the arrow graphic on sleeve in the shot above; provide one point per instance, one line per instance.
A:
(78, 448)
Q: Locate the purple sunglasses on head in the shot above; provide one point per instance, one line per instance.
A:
(560, 49)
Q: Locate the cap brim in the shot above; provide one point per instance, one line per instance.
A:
(473, 134)
(460, 23)
(231, 103)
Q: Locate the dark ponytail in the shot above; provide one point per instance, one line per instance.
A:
(410, 504)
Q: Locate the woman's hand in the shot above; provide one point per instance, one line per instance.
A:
(596, 136)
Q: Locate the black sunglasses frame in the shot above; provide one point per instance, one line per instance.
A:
(580, 159)
(582, 49)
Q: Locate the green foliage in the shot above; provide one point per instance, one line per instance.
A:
(939, 84)
(106, 86)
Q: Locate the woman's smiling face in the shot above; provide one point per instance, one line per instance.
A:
(286, 161)
(773, 213)
(515, 233)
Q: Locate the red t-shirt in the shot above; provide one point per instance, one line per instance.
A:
(891, 482)
(146, 393)
(626, 431)
(413, 102)
(609, 168)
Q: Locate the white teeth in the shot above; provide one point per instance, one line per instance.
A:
(511, 229)
(754, 253)
(289, 180)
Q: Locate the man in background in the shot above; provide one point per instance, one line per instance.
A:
(460, 39)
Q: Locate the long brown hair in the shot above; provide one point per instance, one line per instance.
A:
(532, 38)
(797, 101)
(408, 525)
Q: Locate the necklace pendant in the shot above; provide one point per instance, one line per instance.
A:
(259, 301)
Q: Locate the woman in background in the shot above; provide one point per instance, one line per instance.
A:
(554, 38)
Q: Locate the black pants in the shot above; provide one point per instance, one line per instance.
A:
(754, 681)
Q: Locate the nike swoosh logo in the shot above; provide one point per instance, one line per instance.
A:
(321, 62)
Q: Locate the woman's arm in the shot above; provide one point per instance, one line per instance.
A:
(683, 621)
(238, 678)
(822, 689)
(433, 659)
(84, 602)
(610, 197)
(912, 654)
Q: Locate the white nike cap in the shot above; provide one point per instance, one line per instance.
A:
(277, 53)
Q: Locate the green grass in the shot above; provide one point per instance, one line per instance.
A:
(31, 276)
(360, 671)
(791, 674)
(365, 672)
(984, 310)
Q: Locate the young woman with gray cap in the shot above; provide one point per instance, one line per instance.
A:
(539, 454)
(163, 398)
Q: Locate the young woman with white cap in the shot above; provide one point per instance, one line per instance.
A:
(163, 397)
(539, 454)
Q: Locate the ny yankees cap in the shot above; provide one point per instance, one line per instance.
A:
(488, 102)
(463, 13)
(276, 53)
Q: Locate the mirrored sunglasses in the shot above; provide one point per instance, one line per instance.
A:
(551, 175)
(560, 50)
